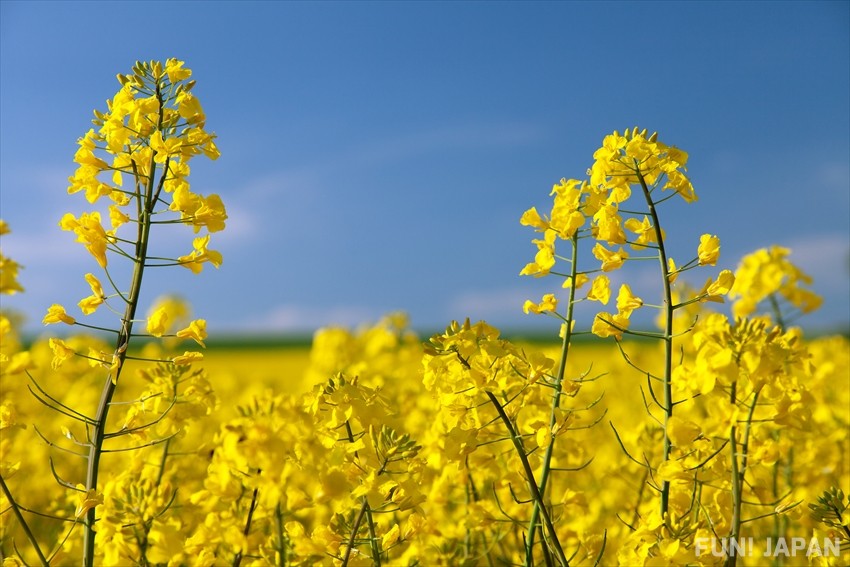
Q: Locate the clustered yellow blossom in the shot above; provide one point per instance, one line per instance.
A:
(306, 462)
(152, 127)
(624, 162)
(8, 268)
(769, 272)
(467, 449)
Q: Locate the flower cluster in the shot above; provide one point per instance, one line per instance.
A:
(377, 449)
(8, 268)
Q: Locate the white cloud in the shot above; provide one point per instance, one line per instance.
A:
(834, 176)
(295, 199)
(298, 182)
(297, 317)
(487, 304)
(43, 249)
(826, 258)
(242, 225)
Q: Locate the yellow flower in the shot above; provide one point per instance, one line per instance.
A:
(549, 303)
(532, 218)
(104, 360)
(164, 148)
(89, 232)
(608, 225)
(56, 314)
(9, 276)
(197, 331)
(708, 250)
(117, 217)
(391, 537)
(89, 304)
(211, 214)
(195, 261)
(187, 358)
(175, 71)
(610, 260)
(644, 230)
(9, 416)
(158, 322)
(8, 269)
(544, 260)
(721, 286)
(681, 431)
(607, 325)
(600, 290)
(672, 471)
(672, 271)
(17, 363)
(88, 500)
(61, 352)
(680, 183)
(766, 272)
(189, 108)
(627, 301)
(581, 279)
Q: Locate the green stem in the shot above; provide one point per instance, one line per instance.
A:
(281, 544)
(532, 484)
(556, 402)
(145, 209)
(781, 520)
(354, 530)
(373, 539)
(238, 558)
(668, 334)
(23, 523)
(777, 311)
(732, 558)
(365, 512)
(738, 472)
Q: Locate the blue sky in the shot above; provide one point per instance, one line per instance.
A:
(378, 156)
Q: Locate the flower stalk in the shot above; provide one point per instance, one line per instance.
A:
(667, 337)
(556, 402)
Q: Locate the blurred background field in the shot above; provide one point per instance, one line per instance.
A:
(266, 372)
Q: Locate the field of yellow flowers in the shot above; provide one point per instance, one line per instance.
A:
(703, 439)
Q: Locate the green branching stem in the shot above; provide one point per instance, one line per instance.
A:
(356, 528)
(532, 483)
(145, 204)
(237, 559)
(16, 510)
(668, 332)
(365, 512)
(373, 538)
(279, 537)
(786, 469)
(739, 469)
(777, 311)
(556, 402)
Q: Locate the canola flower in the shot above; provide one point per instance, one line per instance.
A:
(137, 156)
(468, 449)
(9, 284)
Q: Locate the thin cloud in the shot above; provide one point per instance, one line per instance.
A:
(42, 249)
(826, 258)
(835, 178)
(487, 304)
(291, 317)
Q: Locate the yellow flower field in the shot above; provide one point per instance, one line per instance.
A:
(689, 437)
(436, 522)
